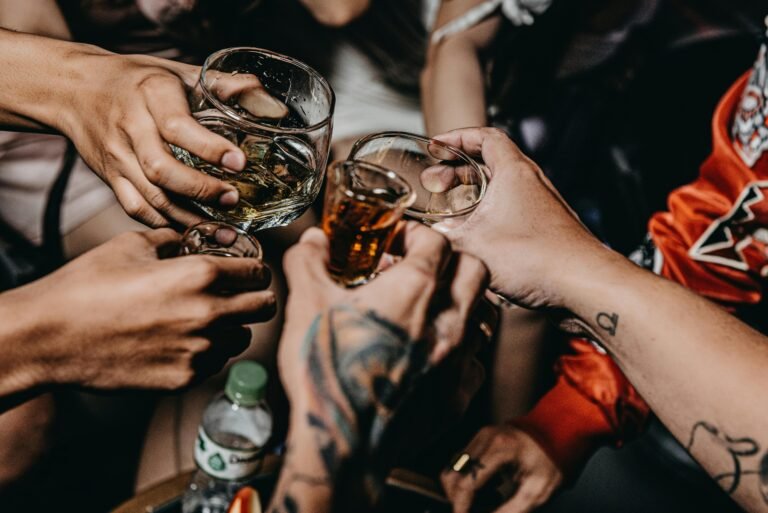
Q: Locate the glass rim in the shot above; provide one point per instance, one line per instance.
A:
(253, 241)
(419, 214)
(231, 113)
(405, 201)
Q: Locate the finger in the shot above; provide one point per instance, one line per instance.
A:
(249, 92)
(476, 448)
(528, 497)
(493, 145)
(164, 171)
(422, 248)
(470, 482)
(170, 111)
(135, 205)
(242, 274)
(162, 203)
(163, 242)
(153, 200)
(438, 178)
(470, 279)
(308, 260)
(161, 237)
(248, 307)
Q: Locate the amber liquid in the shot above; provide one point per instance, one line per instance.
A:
(278, 184)
(359, 233)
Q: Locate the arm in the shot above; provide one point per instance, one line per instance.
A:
(453, 80)
(699, 368)
(336, 13)
(349, 357)
(120, 317)
(42, 17)
(122, 111)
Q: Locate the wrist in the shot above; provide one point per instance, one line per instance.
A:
(22, 361)
(575, 284)
(80, 88)
(305, 426)
(44, 93)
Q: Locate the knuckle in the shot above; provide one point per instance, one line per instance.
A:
(487, 433)
(159, 200)
(173, 126)
(153, 167)
(182, 378)
(204, 270)
(149, 82)
(204, 187)
(204, 313)
(496, 132)
(137, 209)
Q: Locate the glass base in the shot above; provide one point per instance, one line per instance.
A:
(351, 283)
(272, 218)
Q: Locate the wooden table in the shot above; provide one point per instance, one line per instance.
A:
(421, 494)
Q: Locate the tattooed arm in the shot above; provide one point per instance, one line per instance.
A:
(349, 357)
(702, 371)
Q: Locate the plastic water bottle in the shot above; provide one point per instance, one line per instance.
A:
(230, 442)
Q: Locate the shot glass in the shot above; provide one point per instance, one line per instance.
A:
(363, 203)
(448, 183)
(279, 111)
(219, 239)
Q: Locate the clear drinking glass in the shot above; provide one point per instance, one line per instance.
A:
(448, 184)
(363, 203)
(219, 239)
(279, 112)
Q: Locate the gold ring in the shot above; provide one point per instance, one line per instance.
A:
(461, 462)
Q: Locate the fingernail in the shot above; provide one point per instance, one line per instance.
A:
(234, 160)
(229, 199)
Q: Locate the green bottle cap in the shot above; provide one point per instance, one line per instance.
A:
(247, 383)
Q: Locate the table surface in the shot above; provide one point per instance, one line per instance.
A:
(411, 492)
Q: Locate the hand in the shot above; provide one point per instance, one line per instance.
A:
(523, 230)
(120, 317)
(511, 454)
(430, 293)
(348, 357)
(125, 114)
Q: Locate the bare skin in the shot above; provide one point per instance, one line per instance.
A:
(541, 256)
(452, 82)
(348, 356)
(336, 13)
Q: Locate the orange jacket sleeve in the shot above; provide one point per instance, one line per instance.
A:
(592, 404)
(713, 239)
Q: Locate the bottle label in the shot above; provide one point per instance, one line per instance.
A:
(225, 463)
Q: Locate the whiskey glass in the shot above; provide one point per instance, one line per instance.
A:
(279, 111)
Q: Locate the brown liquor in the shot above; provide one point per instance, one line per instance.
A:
(359, 231)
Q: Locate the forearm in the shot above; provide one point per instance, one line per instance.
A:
(22, 366)
(354, 368)
(698, 367)
(453, 89)
(41, 76)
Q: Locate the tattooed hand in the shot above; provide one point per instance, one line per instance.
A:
(349, 356)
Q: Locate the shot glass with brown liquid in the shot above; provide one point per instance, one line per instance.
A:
(363, 203)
